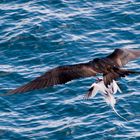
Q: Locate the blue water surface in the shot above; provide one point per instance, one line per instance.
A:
(38, 35)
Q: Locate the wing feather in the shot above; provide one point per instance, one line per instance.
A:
(59, 75)
(120, 57)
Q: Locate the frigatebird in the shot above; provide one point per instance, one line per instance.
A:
(109, 66)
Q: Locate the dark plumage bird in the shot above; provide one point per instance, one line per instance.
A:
(109, 66)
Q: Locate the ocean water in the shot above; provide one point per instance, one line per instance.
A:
(38, 35)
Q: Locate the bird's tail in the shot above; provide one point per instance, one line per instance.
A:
(118, 114)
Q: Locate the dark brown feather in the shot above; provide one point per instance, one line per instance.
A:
(120, 57)
(59, 75)
(108, 78)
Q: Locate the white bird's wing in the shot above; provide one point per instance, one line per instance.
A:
(116, 87)
(92, 92)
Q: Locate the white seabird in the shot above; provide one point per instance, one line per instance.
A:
(107, 92)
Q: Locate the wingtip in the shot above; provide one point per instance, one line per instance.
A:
(5, 94)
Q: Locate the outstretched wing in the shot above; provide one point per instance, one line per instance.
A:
(120, 57)
(59, 75)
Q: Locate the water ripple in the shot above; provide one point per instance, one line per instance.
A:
(39, 35)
